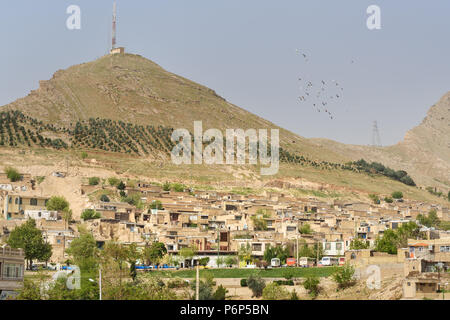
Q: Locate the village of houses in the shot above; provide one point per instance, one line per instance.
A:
(217, 224)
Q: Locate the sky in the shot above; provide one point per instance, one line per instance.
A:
(248, 52)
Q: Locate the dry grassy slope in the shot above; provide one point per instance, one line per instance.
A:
(134, 89)
(424, 152)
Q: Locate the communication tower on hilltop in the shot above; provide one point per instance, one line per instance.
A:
(114, 49)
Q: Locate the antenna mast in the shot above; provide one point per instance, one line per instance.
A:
(114, 25)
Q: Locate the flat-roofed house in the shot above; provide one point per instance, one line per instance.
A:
(12, 263)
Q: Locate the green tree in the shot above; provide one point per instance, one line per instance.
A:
(104, 198)
(203, 261)
(90, 214)
(220, 293)
(29, 238)
(245, 253)
(154, 253)
(311, 284)
(13, 174)
(256, 284)
(231, 260)
(121, 186)
(57, 203)
(260, 224)
(358, 244)
(305, 229)
(84, 155)
(67, 216)
(83, 251)
(156, 204)
(431, 220)
(343, 276)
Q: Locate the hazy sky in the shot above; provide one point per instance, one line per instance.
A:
(246, 51)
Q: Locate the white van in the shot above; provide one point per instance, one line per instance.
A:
(275, 262)
(329, 261)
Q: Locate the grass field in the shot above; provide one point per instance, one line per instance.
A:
(244, 273)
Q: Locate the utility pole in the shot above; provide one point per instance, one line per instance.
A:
(100, 281)
(197, 285)
(317, 259)
(218, 245)
(297, 252)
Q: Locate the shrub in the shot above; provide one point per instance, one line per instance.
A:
(156, 204)
(177, 283)
(84, 155)
(113, 181)
(397, 195)
(121, 186)
(104, 198)
(388, 200)
(90, 214)
(12, 174)
(274, 291)
(220, 293)
(256, 284)
(374, 198)
(311, 284)
(93, 181)
(244, 283)
(343, 276)
(284, 282)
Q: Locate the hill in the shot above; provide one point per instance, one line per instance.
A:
(424, 152)
(129, 105)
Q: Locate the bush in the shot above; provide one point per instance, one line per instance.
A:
(90, 214)
(156, 204)
(284, 282)
(104, 198)
(388, 200)
(113, 181)
(311, 284)
(93, 181)
(177, 283)
(343, 276)
(397, 195)
(274, 291)
(121, 186)
(256, 284)
(12, 174)
(374, 198)
(84, 155)
(220, 293)
(244, 283)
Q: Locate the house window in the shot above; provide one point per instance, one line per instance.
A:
(327, 246)
(33, 202)
(12, 271)
(257, 247)
(339, 246)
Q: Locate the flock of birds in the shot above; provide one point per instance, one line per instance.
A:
(319, 95)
